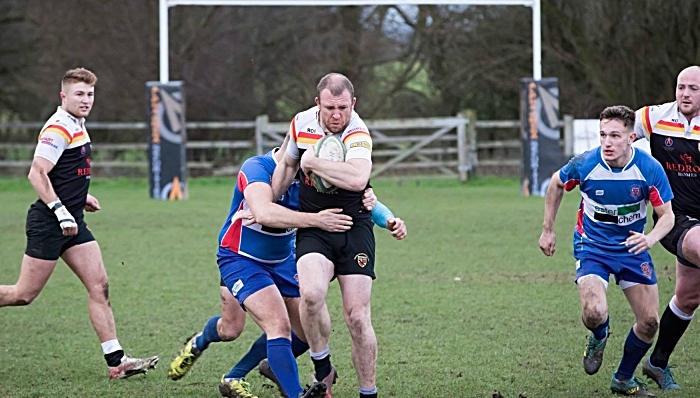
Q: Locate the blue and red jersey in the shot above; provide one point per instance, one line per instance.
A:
(258, 242)
(613, 200)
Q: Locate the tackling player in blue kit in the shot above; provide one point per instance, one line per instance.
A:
(258, 270)
(616, 183)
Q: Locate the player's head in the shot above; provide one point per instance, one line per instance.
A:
(617, 134)
(78, 91)
(688, 91)
(335, 98)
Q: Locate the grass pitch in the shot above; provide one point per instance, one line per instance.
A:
(466, 306)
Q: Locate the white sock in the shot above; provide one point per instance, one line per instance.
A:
(320, 355)
(678, 312)
(368, 391)
(111, 346)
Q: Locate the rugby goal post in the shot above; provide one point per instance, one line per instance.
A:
(164, 5)
(155, 93)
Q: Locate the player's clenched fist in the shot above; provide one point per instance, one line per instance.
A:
(547, 242)
(397, 228)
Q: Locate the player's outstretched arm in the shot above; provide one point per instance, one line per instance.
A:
(383, 217)
(352, 175)
(640, 242)
(39, 178)
(283, 176)
(552, 201)
(258, 196)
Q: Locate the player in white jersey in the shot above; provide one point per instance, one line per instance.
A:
(672, 131)
(323, 256)
(616, 183)
(60, 174)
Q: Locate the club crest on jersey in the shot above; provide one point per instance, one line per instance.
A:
(82, 150)
(668, 141)
(361, 259)
(635, 191)
(646, 269)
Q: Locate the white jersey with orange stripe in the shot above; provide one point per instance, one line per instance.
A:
(62, 131)
(675, 143)
(305, 130)
(64, 141)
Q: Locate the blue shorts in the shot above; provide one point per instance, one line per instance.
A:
(628, 269)
(244, 276)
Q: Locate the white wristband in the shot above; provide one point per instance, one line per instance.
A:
(53, 204)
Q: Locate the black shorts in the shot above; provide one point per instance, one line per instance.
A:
(351, 252)
(45, 239)
(673, 241)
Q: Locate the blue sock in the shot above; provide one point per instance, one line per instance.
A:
(635, 349)
(298, 346)
(601, 331)
(256, 353)
(284, 365)
(209, 334)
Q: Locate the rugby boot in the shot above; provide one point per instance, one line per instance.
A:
(328, 381)
(316, 390)
(593, 356)
(662, 377)
(132, 366)
(185, 359)
(631, 387)
(265, 371)
(235, 388)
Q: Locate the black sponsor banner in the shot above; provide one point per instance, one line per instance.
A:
(167, 172)
(539, 126)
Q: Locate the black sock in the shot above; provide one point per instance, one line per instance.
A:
(368, 395)
(114, 358)
(671, 328)
(322, 367)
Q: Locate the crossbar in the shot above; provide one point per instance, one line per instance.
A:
(164, 5)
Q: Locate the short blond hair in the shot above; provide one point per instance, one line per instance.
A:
(79, 75)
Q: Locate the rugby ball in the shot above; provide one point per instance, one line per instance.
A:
(329, 148)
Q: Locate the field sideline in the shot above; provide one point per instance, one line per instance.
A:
(510, 324)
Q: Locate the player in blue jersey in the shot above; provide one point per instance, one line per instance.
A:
(254, 256)
(616, 183)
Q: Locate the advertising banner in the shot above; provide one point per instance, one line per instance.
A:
(540, 132)
(167, 171)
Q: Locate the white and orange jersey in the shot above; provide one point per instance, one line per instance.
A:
(665, 119)
(305, 130)
(64, 141)
(61, 132)
(675, 143)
